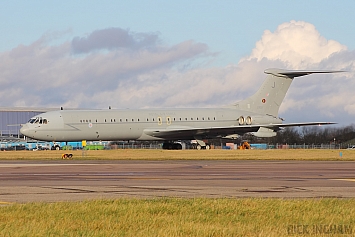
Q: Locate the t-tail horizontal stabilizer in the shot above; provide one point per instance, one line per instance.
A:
(295, 73)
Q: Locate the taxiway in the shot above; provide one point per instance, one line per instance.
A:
(72, 180)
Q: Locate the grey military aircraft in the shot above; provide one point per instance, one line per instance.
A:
(257, 114)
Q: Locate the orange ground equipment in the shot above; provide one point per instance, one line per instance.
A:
(244, 146)
(67, 156)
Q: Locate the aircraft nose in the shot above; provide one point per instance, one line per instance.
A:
(24, 130)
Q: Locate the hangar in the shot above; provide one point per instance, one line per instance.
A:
(11, 119)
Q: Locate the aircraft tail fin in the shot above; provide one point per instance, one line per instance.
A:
(268, 98)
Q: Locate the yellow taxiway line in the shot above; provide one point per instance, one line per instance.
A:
(6, 203)
(350, 180)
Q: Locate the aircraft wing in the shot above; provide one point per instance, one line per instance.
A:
(284, 125)
(185, 133)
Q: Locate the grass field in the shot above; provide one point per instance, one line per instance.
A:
(129, 154)
(181, 217)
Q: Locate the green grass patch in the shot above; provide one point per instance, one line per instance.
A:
(130, 154)
(180, 217)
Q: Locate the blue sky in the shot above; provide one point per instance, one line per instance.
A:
(228, 27)
(219, 48)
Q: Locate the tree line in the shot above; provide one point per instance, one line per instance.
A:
(310, 135)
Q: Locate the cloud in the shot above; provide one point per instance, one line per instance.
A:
(298, 44)
(126, 69)
(113, 38)
(53, 75)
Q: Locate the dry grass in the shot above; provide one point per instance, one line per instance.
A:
(178, 217)
(129, 154)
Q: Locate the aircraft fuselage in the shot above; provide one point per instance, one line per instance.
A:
(69, 125)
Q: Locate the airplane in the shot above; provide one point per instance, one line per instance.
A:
(257, 115)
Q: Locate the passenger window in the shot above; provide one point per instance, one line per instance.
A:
(44, 121)
(168, 120)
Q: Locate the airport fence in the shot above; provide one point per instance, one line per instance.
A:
(307, 146)
(253, 146)
(133, 145)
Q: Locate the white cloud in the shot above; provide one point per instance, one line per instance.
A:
(298, 44)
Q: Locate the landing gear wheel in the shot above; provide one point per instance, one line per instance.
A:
(165, 146)
(198, 147)
(56, 147)
(208, 147)
(177, 146)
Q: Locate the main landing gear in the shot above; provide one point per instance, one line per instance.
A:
(172, 146)
(199, 147)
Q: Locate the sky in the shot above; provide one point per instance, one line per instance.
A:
(177, 54)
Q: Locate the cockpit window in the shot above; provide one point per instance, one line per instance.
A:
(39, 120)
(31, 120)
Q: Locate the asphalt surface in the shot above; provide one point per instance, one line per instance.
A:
(72, 180)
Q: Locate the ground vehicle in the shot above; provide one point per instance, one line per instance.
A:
(245, 145)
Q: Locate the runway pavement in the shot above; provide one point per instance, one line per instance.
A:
(71, 180)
